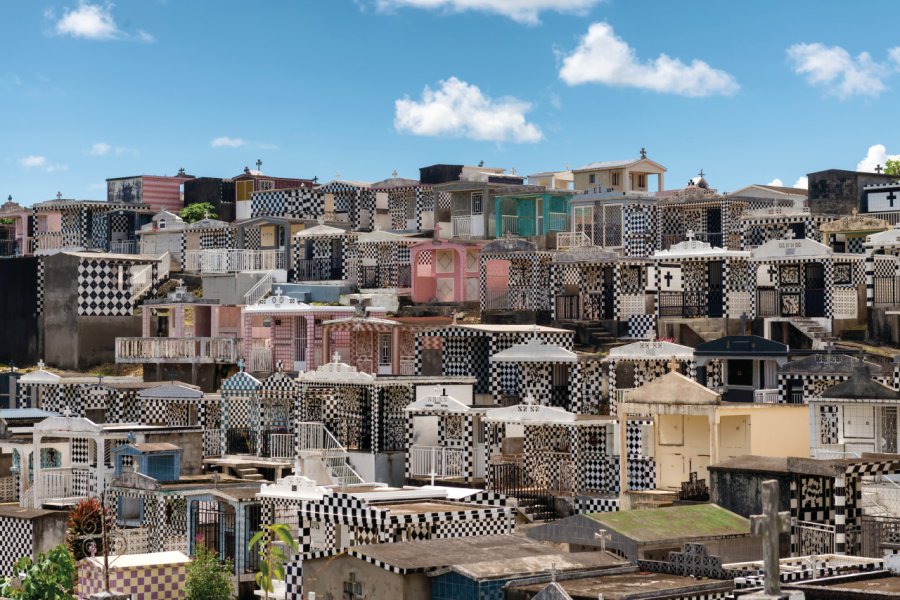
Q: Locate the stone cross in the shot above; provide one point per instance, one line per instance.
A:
(879, 168)
(602, 536)
(552, 571)
(278, 292)
(240, 365)
(689, 235)
(40, 364)
(790, 234)
(59, 195)
(643, 153)
(336, 357)
(769, 525)
(394, 173)
(673, 365)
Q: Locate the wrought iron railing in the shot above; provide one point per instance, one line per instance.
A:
(462, 226)
(317, 269)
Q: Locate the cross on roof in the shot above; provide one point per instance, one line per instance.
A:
(240, 365)
(643, 153)
(258, 165)
(602, 536)
(394, 173)
(336, 357)
(278, 292)
(701, 173)
(529, 400)
(879, 168)
(40, 364)
(769, 525)
(67, 412)
(59, 195)
(552, 571)
(689, 235)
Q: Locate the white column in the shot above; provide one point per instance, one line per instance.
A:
(37, 492)
(624, 503)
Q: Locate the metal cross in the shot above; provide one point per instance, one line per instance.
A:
(701, 173)
(602, 536)
(394, 173)
(879, 168)
(259, 165)
(643, 153)
(59, 195)
(769, 525)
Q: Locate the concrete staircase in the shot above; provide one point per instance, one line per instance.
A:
(812, 329)
(249, 474)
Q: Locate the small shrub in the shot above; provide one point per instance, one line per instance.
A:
(50, 577)
(208, 578)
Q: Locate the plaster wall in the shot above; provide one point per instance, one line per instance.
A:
(326, 578)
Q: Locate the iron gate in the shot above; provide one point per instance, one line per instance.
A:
(814, 295)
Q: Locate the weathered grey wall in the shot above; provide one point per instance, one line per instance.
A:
(208, 376)
(229, 289)
(326, 578)
(838, 192)
(61, 311)
(49, 531)
(97, 338)
(20, 341)
(390, 467)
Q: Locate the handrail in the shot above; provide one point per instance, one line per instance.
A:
(259, 289)
(314, 438)
(141, 281)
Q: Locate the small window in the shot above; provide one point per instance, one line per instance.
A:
(266, 185)
(592, 178)
(477, 203)
(614, 179)
(161, 225)
(642, 181)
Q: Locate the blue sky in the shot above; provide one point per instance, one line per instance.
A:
(749, 92)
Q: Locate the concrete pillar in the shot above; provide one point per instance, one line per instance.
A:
(37, 488)
(311, 344)
(395, 351)
(214, 321)
(101, 465)
(145, 322)
(713, 437)
(624, 501)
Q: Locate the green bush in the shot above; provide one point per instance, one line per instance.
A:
(208, 578)
(50, 577)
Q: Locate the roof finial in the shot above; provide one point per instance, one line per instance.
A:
(259, 166)
(673, 365)
(394, 173)
(240, 365)
(336, 357)
(59, 195)
(879, 168)
(643, 152)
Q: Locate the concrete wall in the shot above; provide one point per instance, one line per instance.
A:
(21, 339)
(208, 377)
(96, 338)
(326, 577)
(61, 310)
(49, 531)
(741, 493)
(190, 442)
(229, 289)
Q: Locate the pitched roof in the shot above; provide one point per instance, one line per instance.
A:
(535, 351)
(741, 345)
(673, 388)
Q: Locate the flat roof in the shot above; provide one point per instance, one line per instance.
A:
(631, 585)
(881, 584)
(153, 559)
(430, 554)
(750, 462)
(17, 512)
(563, 561)
(675, 523)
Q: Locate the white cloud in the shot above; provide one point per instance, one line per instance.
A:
(103, 149)
(100, 149)
(603, 57)
(776, 182)
(839, 73)
(802, 182)
(93, 22)
(460, 109)
(522, 11)
(876, 155)
(36, 161)
(227, 142)
(32, 161)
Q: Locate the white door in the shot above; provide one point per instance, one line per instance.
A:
(385, 353)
